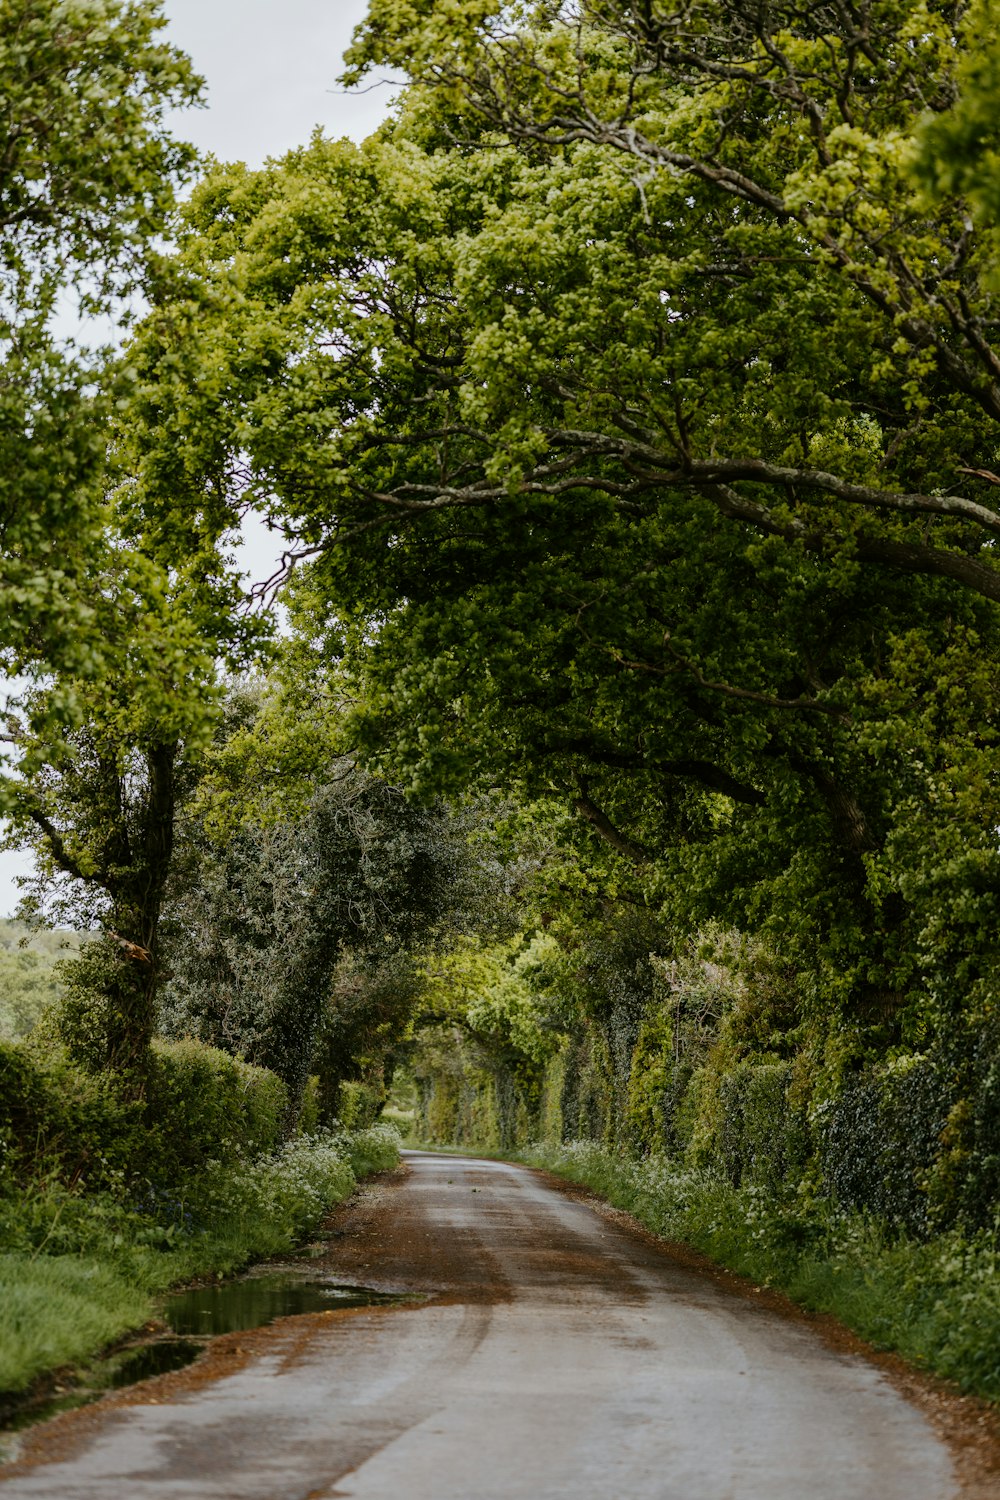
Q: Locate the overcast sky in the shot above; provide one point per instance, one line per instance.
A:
(271, 68)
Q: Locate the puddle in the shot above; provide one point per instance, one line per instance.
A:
(148, 1360)
(193, 1319)
(256, 1300)
(123, 1368)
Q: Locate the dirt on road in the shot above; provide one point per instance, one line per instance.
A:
(554, 1349)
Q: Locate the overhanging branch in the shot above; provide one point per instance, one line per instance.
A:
(588, 809)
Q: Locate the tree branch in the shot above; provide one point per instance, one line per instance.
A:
(727, 689)
(637, 853)
(57, 845)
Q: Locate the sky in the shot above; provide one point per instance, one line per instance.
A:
(271, 71)
(271, 68)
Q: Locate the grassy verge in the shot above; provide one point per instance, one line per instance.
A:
(78, 1270)
(936, 1302)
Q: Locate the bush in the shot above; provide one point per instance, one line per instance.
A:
(374, 1150)
(290, 1190)
(965, 1181)
(203, 1104)
(59, 1119)
(55, 1118)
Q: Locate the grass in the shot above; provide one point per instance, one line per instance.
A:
(936, 1302)
(57, 1310)
(79, 1270)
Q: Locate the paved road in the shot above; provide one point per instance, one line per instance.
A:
(560, 1355)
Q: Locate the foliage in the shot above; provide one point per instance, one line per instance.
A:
(86, 192)
(710, 1051)
(307, 893)
(484, 1028)
(61, 1120)
(230, 1109)
(958, 150)
(365, 1017)
(639, 452)
(628, 407)
(55, 1118)
(261, 923)
(112, 625)
(96, 801)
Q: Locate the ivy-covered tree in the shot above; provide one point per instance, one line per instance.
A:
(96, 802)
(291, 936)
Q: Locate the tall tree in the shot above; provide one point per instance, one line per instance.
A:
(96, 801)
(637, 418)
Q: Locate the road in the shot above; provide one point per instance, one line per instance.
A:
(560, 1353)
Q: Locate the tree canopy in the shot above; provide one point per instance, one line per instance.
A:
(630, 412)
(628, 405)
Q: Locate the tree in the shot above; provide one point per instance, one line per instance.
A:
(87, 175)
(634, 419)
(772, 150)
(292, 927)
(96, 802)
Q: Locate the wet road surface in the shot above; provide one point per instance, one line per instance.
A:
(560, 1354)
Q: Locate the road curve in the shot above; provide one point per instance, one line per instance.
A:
(561, 1354)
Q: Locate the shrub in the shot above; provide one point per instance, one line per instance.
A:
(57, 1119)
(203, 1103)
(373, 1150)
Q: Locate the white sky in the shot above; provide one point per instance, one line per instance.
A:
(271, 68)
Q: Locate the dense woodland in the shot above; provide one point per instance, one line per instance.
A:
(623, 411)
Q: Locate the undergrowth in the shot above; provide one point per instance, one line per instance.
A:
(80, 1268)
(935, 1301)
